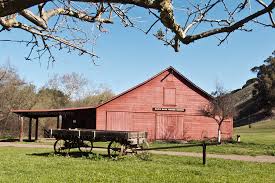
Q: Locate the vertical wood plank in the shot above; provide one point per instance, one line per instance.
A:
(21, 133)
(57, 122)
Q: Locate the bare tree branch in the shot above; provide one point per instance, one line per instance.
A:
(269, 13)
(59, 24)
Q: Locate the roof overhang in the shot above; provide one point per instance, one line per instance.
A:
(40, 113)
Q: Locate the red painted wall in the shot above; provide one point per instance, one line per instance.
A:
(133, 111)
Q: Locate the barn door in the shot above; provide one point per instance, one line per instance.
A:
(119, 121)
(144, 122)
(170, 127)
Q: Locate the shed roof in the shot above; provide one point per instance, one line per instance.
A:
(48, 112)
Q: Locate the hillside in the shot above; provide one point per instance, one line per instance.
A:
(247, 108)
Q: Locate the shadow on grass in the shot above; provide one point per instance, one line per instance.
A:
(145, 157)
(71, 154)
(15, 140)
(9, 140)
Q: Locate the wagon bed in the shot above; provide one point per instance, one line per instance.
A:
(121, 142)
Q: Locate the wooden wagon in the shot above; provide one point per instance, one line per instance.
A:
(120, 142)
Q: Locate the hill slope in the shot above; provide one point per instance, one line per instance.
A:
(248, 109)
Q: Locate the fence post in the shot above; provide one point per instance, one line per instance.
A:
(204, 153)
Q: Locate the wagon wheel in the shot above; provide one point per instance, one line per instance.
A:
(131, 149)
(61, 146)
(144, 145)
(85, 146)
(115, 149)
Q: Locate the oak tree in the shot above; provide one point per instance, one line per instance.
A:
(265, 84)
(61, 24)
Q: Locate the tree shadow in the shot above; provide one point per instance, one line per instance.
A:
(70, 154)
(15, 140)
(9, 140)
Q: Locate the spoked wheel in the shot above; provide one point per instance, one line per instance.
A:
(130, 149)
(61, 146)
(85, 146)
(115, 149)
(144, 145)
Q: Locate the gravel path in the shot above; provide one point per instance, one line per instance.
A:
(259, 159)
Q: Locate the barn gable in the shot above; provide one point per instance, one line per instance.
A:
(167, 106)
(167, 75)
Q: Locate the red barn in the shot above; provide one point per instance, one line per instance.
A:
(167, 106)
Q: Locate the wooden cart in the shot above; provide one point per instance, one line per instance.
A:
(121, 142)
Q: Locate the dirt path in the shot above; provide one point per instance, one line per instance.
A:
(14, 144)
(259, 159)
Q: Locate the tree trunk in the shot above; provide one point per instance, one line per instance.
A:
(8, 7)
(219, 134)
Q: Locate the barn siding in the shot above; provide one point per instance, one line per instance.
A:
(139, 102)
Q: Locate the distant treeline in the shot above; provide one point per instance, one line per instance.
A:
(60, 91)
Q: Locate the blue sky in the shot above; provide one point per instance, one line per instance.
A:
(128, 57)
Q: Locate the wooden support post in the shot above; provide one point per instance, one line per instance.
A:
(204, 153)
(36, 129)
(21, 133)
(30, 129)
(59, 122)
(57, 125)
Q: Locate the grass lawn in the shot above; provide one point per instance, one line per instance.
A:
(259, 133)
(40, 165)
(257, 140)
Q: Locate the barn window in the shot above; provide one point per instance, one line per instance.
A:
(169, 96)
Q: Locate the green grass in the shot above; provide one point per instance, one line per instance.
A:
(259, 133)
(39, 165)
(257, 140)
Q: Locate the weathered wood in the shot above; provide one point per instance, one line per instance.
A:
(30, 129)
(59, 122)
(98, 135)
(36, 129)
(21, 124)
